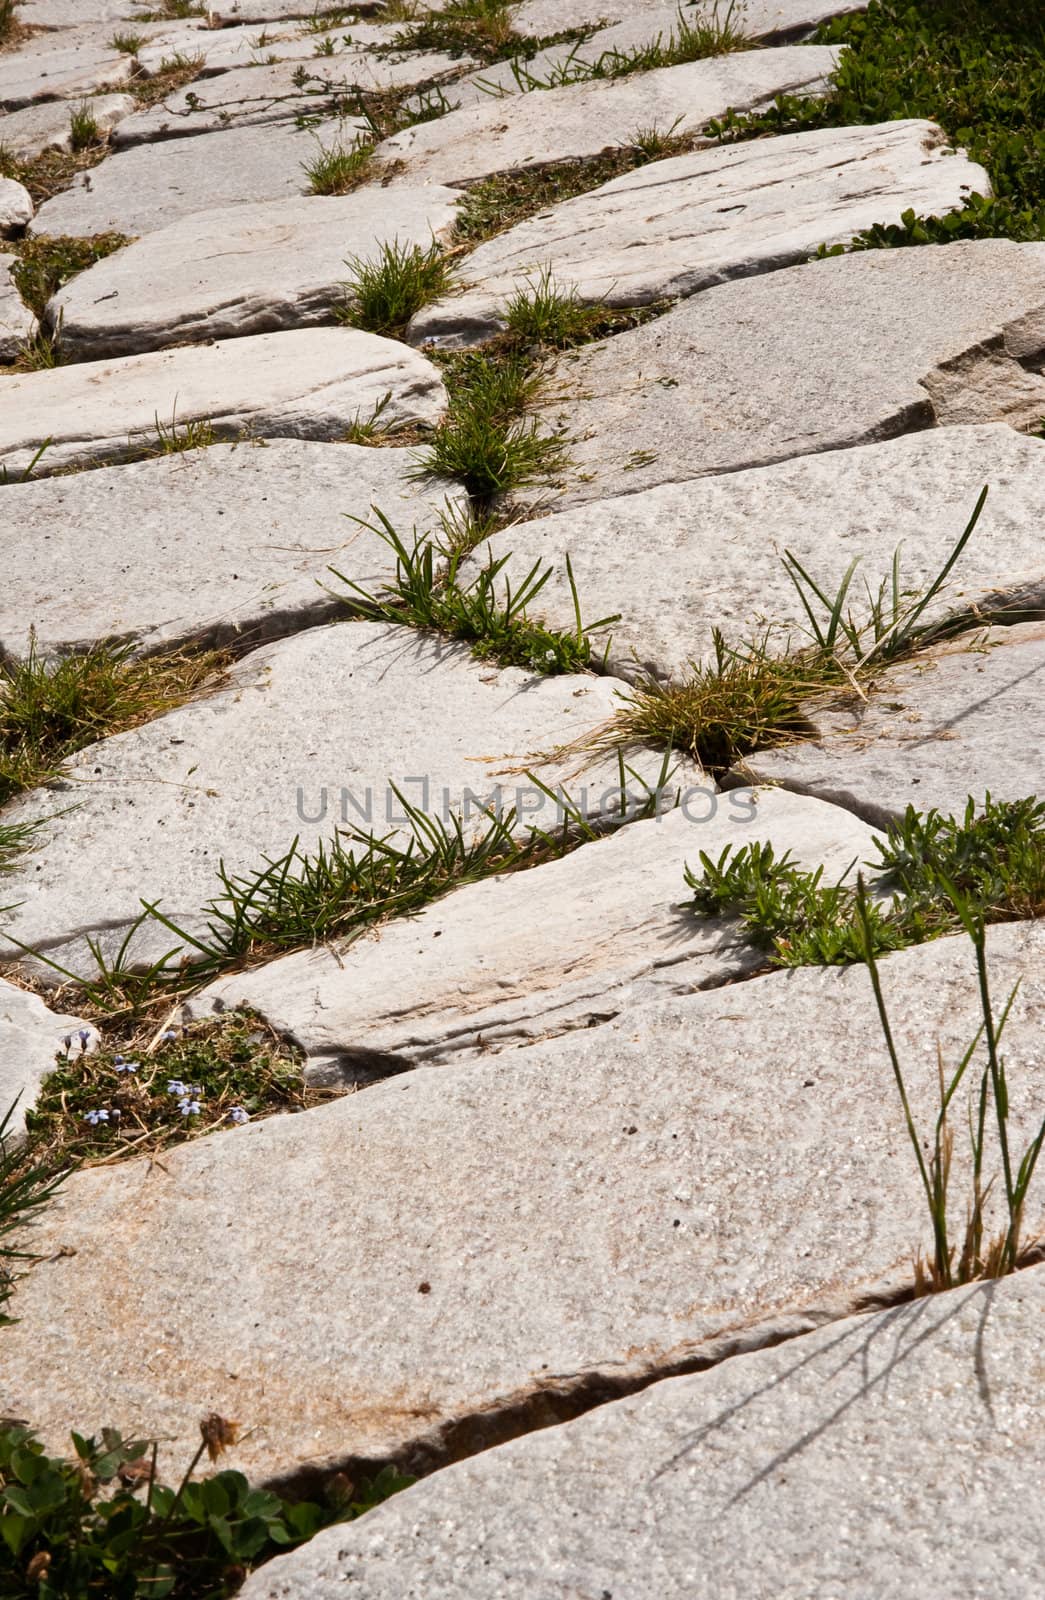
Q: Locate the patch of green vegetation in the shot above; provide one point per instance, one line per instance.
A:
(47, 262)
(173, 11)
(339, 169)
(495, 627)
(384, 293)
(157, 1091)
(38, 353)
(173, 72)
(545, 313)
(994, 859)
(127, 44)
(974, 67)
(48, 174)
(27, 1182)
(50, 709)
(83, 127)
(15, 837)
(103, 1524)
(481, 29)
(174, 438)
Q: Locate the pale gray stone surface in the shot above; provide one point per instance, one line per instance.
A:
(57, 67)
(236, 775)
(240, 270)
(311, 384)
(735, 378)
(684, 558)
(231, 543)
(689, 1181)
(148, 187)
(31, 1040)
(582, 119)
(17, 322)
(249, 45)
(957, 721)
(259, 95)
(519, 958)
(886, 1456)
(47, 126)
(16, 208)
(760, 18)
(76, 13)
(685, 224)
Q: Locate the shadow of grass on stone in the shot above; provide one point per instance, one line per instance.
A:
(50, 709)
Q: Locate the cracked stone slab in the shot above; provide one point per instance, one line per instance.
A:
(679, 560)
(514, 959)
(950, 723)
(712, 1484)
(222, 49)
(47, 126)
(674, 227)
(227, 544)
(16, 208)
(150, 186)
(254, 96)
(491, 1241)
(905, 339)
(238, 270)
(758, 19)
(582, 119)
(59, 67)
(234, 777)
(31, 1040)
(17, 323)
(310, 384)
(76, 13)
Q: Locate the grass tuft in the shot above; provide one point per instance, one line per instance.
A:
(127, 44)
(383, 294)
(340, 169)
(173, 72)
(46, 263)
(83, 127)
(544, 313)
(709, 34)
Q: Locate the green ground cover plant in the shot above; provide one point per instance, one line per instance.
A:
(384, 292)
(48, 262)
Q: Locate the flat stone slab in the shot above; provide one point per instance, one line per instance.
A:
(311, 384)
(16, 208)
(582, 119)
(948, 724)
(17, 322)
(47, 126)
(73, 13)
(679, 560)
(49, 67)
(240, 270)
(255, 96)
(793, 1471)
(673, 227)
(759, 19)
(222, 49)
(237, 775)
(697, 1178)
(228, 544)
(31, 1040)
(905, 339)
(152, 185)
(519, 958)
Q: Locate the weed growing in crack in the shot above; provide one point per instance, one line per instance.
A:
(174, 438)
(483, 441)
(340, 169)
(103, 1523)
(47, 263)
(384, 293)
(127, 44)
(50, 709)
(173, 72)
(481, 29)
(48, 174)
(546, 313)
(994, 858)
(40, 352)
(497, 627)
(689, 40)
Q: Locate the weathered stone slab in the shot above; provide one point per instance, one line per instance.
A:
(31, 1037)
(489, 1242)
(229, 543)
(904, 339)
(677, 561)
(239, 270)
(222, 49)
(50, 67)
(16, 208)
(537, 953)
(685, 224)
(236, 776)
(581, 119)
(253, 96)
(794, 1471)
(953, 722)
(17, 322)
(148, 187)
(77, 13)
(47, 126)
(759, 19)
(307, 385)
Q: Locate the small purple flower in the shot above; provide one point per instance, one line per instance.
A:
(189, 1108)
(100, 1114)
(239, 1115)
(125, 1066)
(85, 1039)
(195, 1090)
(169, 1035)
(177, 1088)
(67, 1043)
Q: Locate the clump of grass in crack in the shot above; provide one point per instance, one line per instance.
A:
(495, 625)
(102, 1523)
(383, 293)
(979, 1255)
(173, 72)
(48, 174)
(28, 1179)
(481, 29)
(150, 1091)
(174, 438)
(127, 44)
(40, 352)
(48, 262)
(339, 169)
(51, 709)
(994, 858)
(389, 111)
(173, 11)
(974, 67)
(719, 33)
(83, 127)
(546, 313)
(15, 839)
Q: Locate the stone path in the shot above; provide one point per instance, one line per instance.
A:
(597, 1218)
